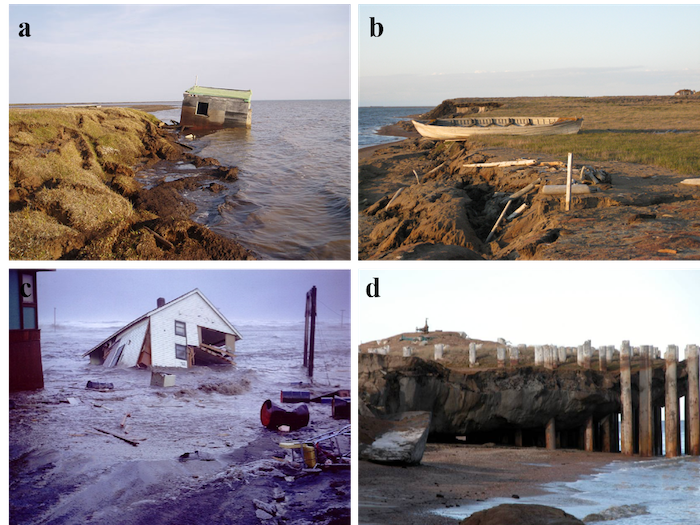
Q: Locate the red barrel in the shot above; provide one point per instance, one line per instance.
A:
(273, 416)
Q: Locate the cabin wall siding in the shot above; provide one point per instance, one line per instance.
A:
(222, 112)
(194, 312)
(133, 339)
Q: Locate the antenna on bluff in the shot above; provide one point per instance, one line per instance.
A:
(195, 80)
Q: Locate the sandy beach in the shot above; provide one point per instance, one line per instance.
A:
(453, 474)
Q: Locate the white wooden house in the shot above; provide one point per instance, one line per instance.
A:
(184, 332)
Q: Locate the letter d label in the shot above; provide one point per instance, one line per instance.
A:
(373, 288)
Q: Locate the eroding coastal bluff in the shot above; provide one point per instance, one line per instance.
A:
(73, 192)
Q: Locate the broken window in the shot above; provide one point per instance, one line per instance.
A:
(181, 352)
(180, 328)
(203, 108)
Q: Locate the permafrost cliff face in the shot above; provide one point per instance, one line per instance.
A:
(492, 400)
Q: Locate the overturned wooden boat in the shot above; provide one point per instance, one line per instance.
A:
(462, 128)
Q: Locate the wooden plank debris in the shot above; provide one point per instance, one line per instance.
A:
(525, 190)
(560, 189)
(503, 164)
(129, 441)
(500, 218)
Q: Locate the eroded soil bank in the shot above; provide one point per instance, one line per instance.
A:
(446, 210)
(73, 192)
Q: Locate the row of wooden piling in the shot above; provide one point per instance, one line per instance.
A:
(649, 427)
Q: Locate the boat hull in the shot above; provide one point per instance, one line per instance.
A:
(469, 127)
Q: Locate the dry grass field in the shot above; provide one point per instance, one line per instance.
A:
(656, 131)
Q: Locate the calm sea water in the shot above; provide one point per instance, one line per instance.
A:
(370, 119)
(659, 491)
(292, 197)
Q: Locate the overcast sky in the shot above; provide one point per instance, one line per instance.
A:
(537, 303)
(429, 53)
(118, 53)
(241, 295)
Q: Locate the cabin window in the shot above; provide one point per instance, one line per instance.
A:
(203, 108)
(180, 328)
(181, 352)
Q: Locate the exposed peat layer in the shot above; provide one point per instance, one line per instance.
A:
(73, 192)
(639, 149)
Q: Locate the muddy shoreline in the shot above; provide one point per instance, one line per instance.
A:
(452, 475)
(446, 210)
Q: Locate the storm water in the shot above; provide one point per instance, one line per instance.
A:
(658, 491)
(292, 196)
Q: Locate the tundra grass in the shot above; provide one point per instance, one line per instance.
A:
(657, 131)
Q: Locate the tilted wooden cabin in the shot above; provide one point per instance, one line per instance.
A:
(206, 108)
(184, 332)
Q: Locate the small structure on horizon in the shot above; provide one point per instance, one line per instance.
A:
(206, 108)
(425, 328)
(685, 92)
(184, 332)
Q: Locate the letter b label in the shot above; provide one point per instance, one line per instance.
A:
(375, 25)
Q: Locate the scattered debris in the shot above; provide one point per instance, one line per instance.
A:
(691, 182)
(161, 379)
(102, 387)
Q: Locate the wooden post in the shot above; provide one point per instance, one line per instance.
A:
(568, 182)
(645, 413)
(439, 348)
(692, 401)
(500, 218)
(603, 358)
(407, 351)
(310, 335)
(671, 357)
(472, 354)
(514, 356)
(539, 356)
(550, 434)
(588, 435)
(658, 446)
(606, 433)
(587, 355)
(518, 437)
(501, 356)
(627, 443)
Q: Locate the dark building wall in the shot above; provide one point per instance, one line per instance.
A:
(26, 371)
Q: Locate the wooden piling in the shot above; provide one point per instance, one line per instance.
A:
(692, 401)
(472, 355)
(568, 182)
(588, 435)
(550, 434)
(518, 437)
(672, 422)
(645, 409)
(501, 356)
(658, 445)
(539, 356)
(627, 443)
(514, 356)
(606, 433)
(603, 358)
(587, 355)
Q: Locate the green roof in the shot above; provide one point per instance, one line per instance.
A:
(220, 92)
